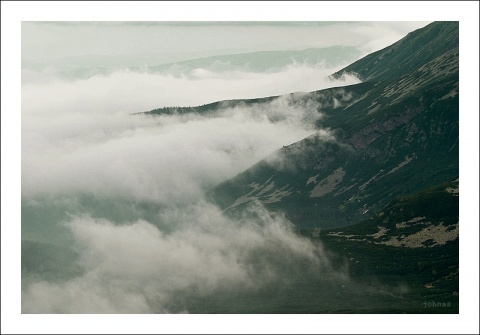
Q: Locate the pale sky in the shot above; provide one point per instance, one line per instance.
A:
(171, 41)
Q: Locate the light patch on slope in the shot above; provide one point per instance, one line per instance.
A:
(452, 190)
(409, 223)
(312, 180)
(442, 65)
(241, 200)
(266, 193)
(373, 109)
(268, 188)
(344, 189)
(340, 234)
(439, 235)
(450, 94)
(374, 178)
(402, 164)
(378, 176)
(381, 232)
(328, 184)
(255, 186)
(277, 195)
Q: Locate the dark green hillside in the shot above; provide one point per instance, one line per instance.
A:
(408, 54)
(389, 138)
(209, 109)
(377, 185)
(382, 277)
(407, 147)
(414, 241)
(409, 214)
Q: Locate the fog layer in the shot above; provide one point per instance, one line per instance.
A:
(124, 194)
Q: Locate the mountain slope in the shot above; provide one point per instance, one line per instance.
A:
(414, 240)
(411, 52)
(390, 137)
(377, 185)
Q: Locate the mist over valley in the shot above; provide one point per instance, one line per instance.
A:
(267, 175)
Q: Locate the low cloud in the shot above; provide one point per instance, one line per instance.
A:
(134, 91)
(153, 158)
(136, 268)
(81, 137)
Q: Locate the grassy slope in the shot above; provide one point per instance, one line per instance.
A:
(407, 126)
(408, 54)
(427, 273)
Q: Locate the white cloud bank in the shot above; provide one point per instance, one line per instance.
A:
(80, 136)
(135, 268)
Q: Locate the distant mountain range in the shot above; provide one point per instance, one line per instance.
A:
(83, 67)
